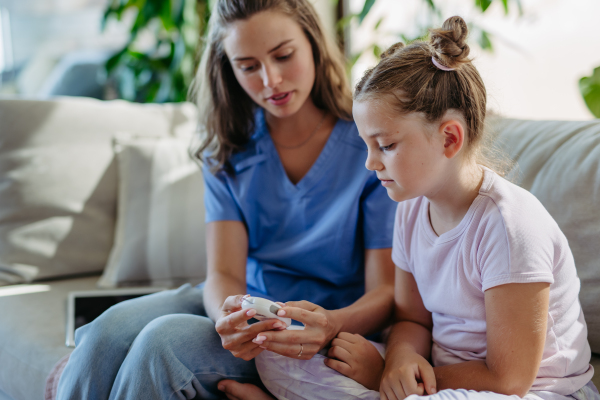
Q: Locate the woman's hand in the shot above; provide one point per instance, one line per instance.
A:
(320, 327)
(409, 374)
(236, 334)
(355, 357)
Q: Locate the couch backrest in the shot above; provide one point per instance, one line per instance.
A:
(58, 180)
(559, 162)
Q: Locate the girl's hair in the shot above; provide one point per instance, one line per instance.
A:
(410, 75)
(226, 112)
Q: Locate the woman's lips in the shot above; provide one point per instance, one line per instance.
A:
(280, 99)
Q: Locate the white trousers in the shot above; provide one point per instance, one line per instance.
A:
(291, 379)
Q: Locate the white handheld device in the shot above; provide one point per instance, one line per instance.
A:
(265, 309)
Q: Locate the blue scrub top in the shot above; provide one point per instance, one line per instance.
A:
(306, 241)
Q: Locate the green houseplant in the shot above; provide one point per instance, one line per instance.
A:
(160, 71)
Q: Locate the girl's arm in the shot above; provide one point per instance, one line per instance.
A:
(227, 250)
(516, 318)
(368, 314)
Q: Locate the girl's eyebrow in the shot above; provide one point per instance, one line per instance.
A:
(269, 52)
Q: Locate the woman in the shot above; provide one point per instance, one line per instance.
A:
(291, 215)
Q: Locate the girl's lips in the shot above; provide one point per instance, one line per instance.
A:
(386, 182)
(280, 99)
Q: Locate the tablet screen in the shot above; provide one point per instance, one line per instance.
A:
(84, 307)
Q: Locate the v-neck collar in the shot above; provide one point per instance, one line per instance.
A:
(315, 171)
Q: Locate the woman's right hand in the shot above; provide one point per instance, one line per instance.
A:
(410, 374)
(236, 334)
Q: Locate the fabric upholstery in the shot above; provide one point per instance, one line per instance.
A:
(159, 238)
(559, 162)
(58, 181)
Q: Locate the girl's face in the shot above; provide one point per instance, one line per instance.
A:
(272, 60)
(405, 151)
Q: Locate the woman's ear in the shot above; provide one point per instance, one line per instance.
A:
(453, 133)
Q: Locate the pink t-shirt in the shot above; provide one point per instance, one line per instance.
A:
(507, 236)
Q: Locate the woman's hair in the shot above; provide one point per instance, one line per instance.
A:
(410, 75)
(226, 112)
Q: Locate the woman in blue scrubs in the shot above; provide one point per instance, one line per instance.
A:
(292, 215)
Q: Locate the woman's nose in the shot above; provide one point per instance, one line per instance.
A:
(271, 76)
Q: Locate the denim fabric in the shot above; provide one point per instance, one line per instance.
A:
(160, 346)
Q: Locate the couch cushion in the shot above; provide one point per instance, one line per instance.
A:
(32, 335)
(58, 181)
(559, 162)
(159, 239)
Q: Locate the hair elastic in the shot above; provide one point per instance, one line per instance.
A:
(440, 66)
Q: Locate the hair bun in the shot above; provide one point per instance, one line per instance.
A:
(450, 42)
(391, 50)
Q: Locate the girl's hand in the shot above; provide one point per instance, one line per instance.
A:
(236, 334)
(410, 374)
(320, 327)
(354, 356)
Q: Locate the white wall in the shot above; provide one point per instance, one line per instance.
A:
(538, 59)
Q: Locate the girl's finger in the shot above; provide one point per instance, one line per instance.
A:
(348, 337)
(409, 385)
(428, 378)
(398, 390)
(338, 366)
(341, 343)
(340, 353)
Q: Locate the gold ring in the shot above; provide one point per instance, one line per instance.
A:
(301, 350)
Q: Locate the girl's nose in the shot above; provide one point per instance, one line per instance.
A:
(372, 163)
(271, 76)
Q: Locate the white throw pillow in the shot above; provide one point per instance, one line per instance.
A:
(58, 180)
(159, 238)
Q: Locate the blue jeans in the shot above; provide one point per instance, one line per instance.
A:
(161, 346)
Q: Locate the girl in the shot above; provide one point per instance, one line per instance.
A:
(291, 215)
(484, 272)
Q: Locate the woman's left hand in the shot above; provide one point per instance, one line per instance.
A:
(320, 327)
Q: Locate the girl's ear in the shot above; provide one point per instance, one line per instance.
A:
(453, 133)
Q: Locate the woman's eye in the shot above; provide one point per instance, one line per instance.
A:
(386, 148)
(285, 57)
(247, 68)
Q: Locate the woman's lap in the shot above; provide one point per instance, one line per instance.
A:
(165, 335)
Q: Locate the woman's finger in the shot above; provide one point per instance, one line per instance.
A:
(307, 305)
(340, 353)
(229, 323)
(338, 366)
(301, 352)
(232, 303)
(289, 337)
(307, 317)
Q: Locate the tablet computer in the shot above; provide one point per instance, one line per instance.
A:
(85, 306)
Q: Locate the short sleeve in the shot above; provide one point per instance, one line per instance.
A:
(511, 252)
(378, 215)
(218, 199)
(398, 251)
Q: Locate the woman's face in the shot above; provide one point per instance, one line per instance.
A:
(272, 60)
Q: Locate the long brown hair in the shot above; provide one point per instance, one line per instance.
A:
(226, 112)
(409, 74)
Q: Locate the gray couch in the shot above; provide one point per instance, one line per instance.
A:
(65, 212)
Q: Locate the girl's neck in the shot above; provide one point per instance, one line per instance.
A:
(457, 190)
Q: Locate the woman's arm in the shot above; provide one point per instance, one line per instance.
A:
(516, 318)
(227, 252)
(227, 249)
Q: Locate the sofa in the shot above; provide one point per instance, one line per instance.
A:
(97, 194)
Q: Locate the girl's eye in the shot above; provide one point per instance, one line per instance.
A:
(386, 148)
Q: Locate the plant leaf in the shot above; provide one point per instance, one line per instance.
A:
(589, 87)
(485, 42)
(366, 8)
(483, 4)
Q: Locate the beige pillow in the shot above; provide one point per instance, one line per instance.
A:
(159, 239)
(559, 162)
(58, 180)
